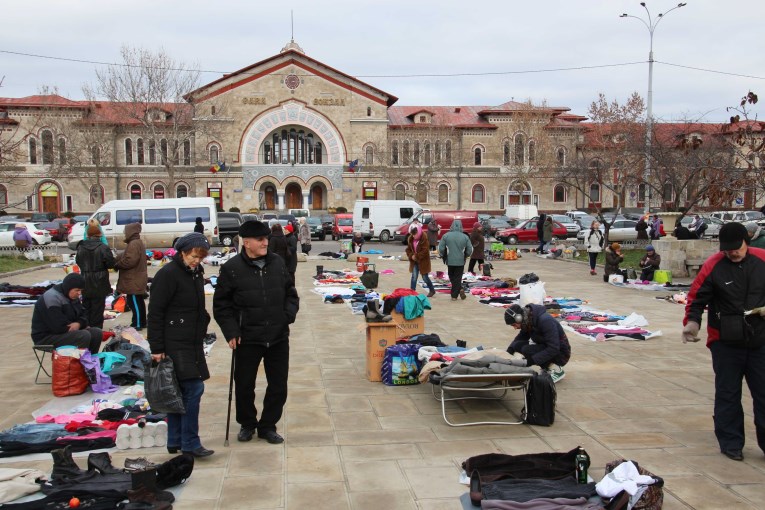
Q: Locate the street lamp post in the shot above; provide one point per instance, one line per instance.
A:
(651, 25)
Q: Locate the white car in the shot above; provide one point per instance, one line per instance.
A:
(621, 230)
(39, 234)
(713, 224)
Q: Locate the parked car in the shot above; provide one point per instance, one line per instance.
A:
(713, 225)
(56, 230)
(39, 234)
(228, 227)
(526, 232)
(494, 224)
(80, 218)
(621, 230)
(249, 217)
(584, 221)
(572, 227)
(327, 222)
(745, 216)
(343, 226)
(316, 227)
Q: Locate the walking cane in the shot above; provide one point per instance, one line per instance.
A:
(230, 391)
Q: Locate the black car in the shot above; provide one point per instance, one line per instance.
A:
(327, 222)
(228, 227)
(316, 227)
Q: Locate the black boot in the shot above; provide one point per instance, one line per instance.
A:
(102, 463)
(64, 465)
(373, 313)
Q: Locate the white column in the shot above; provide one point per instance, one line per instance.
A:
(305, 200)
(280, 199)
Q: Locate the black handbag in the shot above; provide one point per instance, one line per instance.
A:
(370, 278)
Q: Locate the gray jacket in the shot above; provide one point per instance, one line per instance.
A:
(455, 246)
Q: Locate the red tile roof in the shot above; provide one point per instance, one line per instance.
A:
(105, 112)
(400, 117)
(37, 101)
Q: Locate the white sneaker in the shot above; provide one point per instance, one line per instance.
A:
(556, 372)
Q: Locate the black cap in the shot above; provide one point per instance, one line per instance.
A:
(732, 235)
(254, 228)
(73, 281)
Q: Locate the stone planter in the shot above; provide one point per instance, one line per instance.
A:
(674, 253)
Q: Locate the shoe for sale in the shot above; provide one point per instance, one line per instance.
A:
(245, 434)
(64, 465)
(556, 372)
(102, 463)
(733, 454)
(138, 464)
(200, 452)
(271, 436)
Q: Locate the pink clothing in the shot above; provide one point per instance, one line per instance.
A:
(93, 435)
(65, 418)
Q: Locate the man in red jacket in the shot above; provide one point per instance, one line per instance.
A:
(732, 284)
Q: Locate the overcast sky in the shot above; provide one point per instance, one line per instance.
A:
(374, 40)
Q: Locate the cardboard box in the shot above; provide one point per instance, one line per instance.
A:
(379, 336)
(408, 327)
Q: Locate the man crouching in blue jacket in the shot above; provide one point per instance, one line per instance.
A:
(541, 340)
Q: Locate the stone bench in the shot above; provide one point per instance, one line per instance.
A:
(693, 266)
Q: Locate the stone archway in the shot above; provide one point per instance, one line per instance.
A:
(293, 196)
(49, 197)
(317, 196)
(267, 197)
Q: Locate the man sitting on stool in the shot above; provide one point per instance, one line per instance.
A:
(60, 319)
(650, 263)
(541, 340)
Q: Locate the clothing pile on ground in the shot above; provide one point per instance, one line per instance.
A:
(217, 258)
(330, 278)
(599, 325)
(543, 481)
(23, 295)
(646, 285)
(410, 303)
(328, 255)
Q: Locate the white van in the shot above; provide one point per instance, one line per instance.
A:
(521, 212)
(381, 218)
(163, 221)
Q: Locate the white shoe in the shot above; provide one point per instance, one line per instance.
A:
(556, 372)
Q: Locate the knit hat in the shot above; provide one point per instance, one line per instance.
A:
(751, 227)
(72, 281)
(93, 231)
(289, 228)
(253, 228)
(191, 241)
(732, 235)
(649, 248)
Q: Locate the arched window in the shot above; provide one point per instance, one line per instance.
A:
(369, 111)
(448, 150)
(176, 153)
(139, 151)
(3, 195)
(520, 147)
(214, 154)
(394, 153)
(422, 193)
(158, 191)
(181, 191)
(369, 155)
(559, 193)
(477, 156)
(443, 192)
(95, 155)
(62, 151)
(135, 192)
(561, 155)
(399, 192)
(478, 194)
(437, 152)
(32, 151)
(128, 151)
(152, 152)
(163, 152)
(417, 153)
(317, 153)
(96, 194)
(668, 192)
(406, 159)
(594, 192)
(427, 156)
(532, 152)
(47, 147)
(506, 154)
(187, 153)
(641, 192)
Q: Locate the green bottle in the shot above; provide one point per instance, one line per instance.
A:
(582, 465)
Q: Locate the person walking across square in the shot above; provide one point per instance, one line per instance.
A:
(454, 249)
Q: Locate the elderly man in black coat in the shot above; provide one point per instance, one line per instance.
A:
(255, 301)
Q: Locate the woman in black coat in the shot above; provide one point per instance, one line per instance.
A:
(95, 259)
(177, 326)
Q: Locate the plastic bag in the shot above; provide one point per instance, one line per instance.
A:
(68, 376)
(400, 365)
(532, 293)
(34, 255)
(162, 390)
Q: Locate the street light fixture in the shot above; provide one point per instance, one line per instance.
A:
(651, 25)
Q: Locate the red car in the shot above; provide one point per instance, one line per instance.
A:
(526, 232)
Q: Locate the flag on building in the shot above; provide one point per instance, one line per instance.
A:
(352, 165)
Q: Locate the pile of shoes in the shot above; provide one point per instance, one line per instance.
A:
(373, 314)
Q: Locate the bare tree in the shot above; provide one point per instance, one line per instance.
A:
(611, 160)
(746, 136)
(146, 92)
